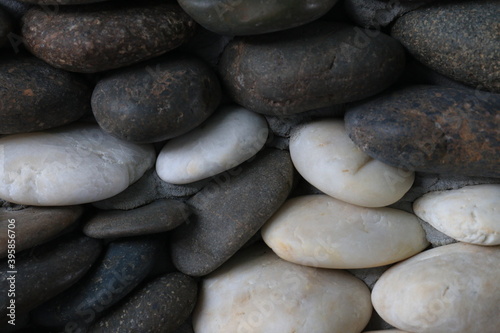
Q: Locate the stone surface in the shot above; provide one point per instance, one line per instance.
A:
(447, 35)
(453, 288)
(258, 292)
(159, 216)
(254, 17)
(324, 155)
(310, 67)
(430, 129)
(230, 210)
(5, 26)
(69, 165)
(160, 306)
(227, 139)
(157, 100)
(36, 96)
(98, 37)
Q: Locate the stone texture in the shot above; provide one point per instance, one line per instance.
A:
(156, 100)
(5, 26)
(98, 37)
(430, 129)
(310, 67)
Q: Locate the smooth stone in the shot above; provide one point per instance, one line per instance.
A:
(225, 140)
(36, 96)
(324, 155)
(5, 26)
(36, 225)
(102, 36)
(69, 165)
(446, 36)
(159, 216)
(124, 265)
(47, 271)
(469, 214)
(157, 100)
(258, 292)
(254, 17)
(230, 210)
(310, 67)
(430, 129)
(453, 288)
(160, 306)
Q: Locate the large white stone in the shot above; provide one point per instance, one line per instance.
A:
(470, 214)
(450, 289)
(326, 157)
(225, 140)
(69, 165)
(320, 231)
(255, 291)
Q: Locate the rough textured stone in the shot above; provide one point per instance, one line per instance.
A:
(5, 26)
(102, 36)
(310, 67)
(430, 129)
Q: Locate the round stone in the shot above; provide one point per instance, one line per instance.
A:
(324, 155)
(227, 139)
(469, 214)
(452, 288)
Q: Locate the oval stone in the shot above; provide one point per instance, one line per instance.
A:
(69, 165)
(430, 129)
(310, 67)
(227, 139)
(469, 214)
(103, 36)
(324, 155)
(258, 292)
(452, 288)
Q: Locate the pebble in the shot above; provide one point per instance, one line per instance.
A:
(68, 166)
(258, 292)
(341, 169)
(230, 210)
(227, 139)
(430, 129)
(252, 18)
(469, 214)
(320, 231)
(453, 288)
(5, 26)
(310, 67)
(160, 306)
(98, 37)
(159, 216)
(157, 100)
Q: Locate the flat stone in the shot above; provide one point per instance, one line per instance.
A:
(159, 216)
(324, 155)
(69, 165)
(5, 26)
(252, 18)
(452, 288)
(258, 292)
(36, 96)
(227, 139)
(448, 35)
(430, 129)
(230, 210)
(310, 67)
(156, 100)
(161, 305)
(102, 36)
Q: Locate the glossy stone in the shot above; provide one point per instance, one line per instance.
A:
(5, 26)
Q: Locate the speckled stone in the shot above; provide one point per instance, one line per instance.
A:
(254, 17)
(35, 96)
(448, 35)
(160, 306)
(230, 210)
(157, 100)
(430, 129)
(310, 67)
(102, 36)
(5, 26)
